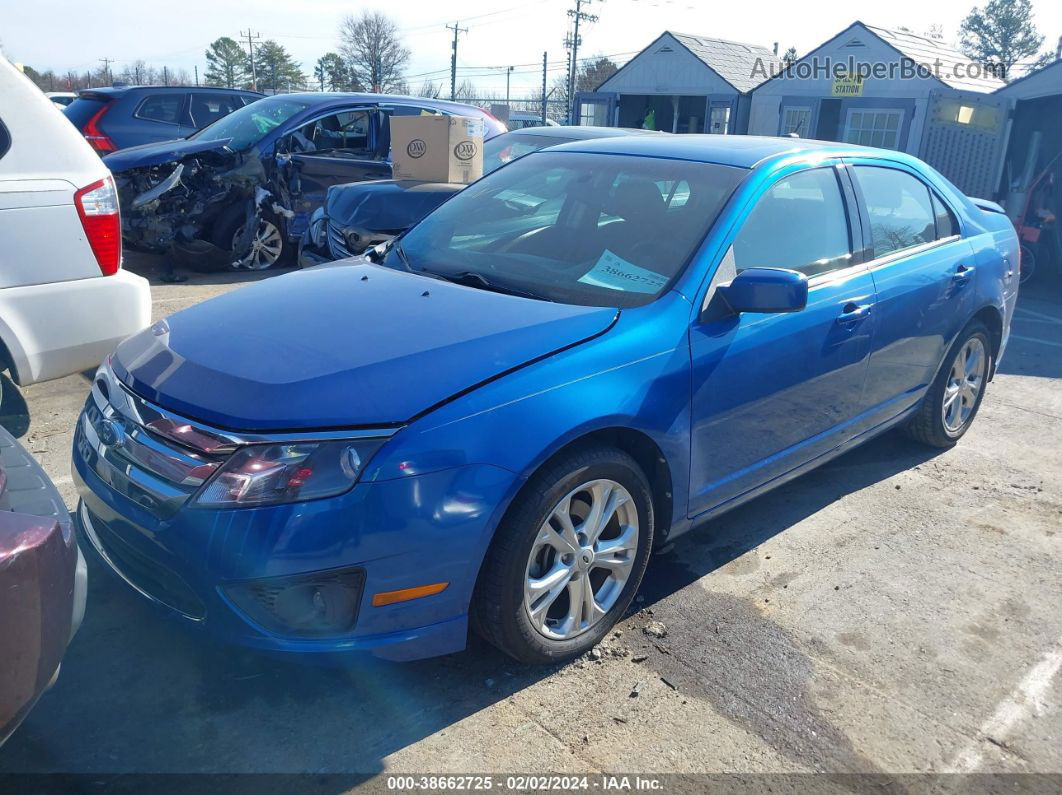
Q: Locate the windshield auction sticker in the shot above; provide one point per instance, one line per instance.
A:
(616, 273)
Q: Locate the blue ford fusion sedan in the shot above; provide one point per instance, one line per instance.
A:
(497, 418)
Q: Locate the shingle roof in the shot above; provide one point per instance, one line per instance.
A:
(733, 61)
(928, 51)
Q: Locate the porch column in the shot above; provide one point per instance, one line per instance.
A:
(674, 114)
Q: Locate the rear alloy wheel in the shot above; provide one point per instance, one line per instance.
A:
(951, 403)
(568, 558)
(267, 246)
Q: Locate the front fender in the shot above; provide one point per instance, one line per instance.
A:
(637, 376)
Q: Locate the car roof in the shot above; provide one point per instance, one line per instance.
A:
(118, 91)
(581, 133)
(743, 151)
(315, 98)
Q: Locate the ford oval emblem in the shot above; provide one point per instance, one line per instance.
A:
(416, 148)
(112, 433)
(465, 150)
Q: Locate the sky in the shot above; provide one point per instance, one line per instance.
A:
(74, 35)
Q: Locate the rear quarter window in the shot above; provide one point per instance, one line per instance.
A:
(164, 108)
(5, 139)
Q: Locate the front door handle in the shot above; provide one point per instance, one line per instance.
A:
(852, 313)
(963, 274)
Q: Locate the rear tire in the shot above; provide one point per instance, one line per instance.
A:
(514, 609)
(950, 405)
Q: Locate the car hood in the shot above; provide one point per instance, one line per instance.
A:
(385, 205)
(158, 153)
(344, 346)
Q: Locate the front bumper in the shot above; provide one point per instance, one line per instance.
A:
(402, 533)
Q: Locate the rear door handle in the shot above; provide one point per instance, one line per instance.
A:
(853, 313)
(963, 273)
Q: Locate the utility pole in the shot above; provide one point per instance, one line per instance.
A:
(544, 95)
(107, 68)
(579, 16)
(456, 28)
(508, 74)
(251, 39)
(165, 76)
(196, 67)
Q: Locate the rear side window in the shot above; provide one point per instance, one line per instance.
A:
(208, 108)
(5, 139)
(900, 209)
(161, 107)
(947, 226)
(800, 224)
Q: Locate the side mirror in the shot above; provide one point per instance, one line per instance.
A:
(767, 290)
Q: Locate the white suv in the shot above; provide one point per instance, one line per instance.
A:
(65, 301)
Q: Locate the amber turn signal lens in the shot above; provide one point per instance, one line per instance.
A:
(393, 597)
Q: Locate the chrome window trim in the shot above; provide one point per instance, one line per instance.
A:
(895, 256)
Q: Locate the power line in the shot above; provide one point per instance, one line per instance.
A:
(251, 39)
(457, 29)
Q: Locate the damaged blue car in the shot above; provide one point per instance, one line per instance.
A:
(239, 193)
(567, 365)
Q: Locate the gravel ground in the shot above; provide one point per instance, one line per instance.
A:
(896, 611)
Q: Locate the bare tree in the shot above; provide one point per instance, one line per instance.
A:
(371, 47)
(429, 89)
(466, 91)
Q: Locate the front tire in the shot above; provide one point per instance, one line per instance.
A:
(269, 245)
(948, 409)
(568, 558)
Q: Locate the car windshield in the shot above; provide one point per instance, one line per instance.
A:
(572, 227)
(251, 123)
(503, 149)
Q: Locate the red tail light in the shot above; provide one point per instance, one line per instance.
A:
(97, 206)
(94, 135)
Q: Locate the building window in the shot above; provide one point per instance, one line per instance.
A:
(874, 128)
(719, 120)
(593, 114)
(796, 121)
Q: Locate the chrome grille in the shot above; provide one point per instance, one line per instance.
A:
(155, 459)
(337, 244)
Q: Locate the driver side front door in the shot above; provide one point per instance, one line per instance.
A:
(772, 392)
(335, 149)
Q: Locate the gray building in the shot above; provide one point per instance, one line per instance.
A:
(681, 83)
(922, 96)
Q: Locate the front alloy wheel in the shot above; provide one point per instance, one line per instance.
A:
(266, 246)
(567, 558)
(581, 560)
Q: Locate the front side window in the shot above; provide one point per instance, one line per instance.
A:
(345, 133)
(165, 108)
(590, 229)
(800, 223)
(879, 128)
(900, 210)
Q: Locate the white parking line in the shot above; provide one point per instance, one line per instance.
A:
(1039, 315)
(1052, 343)
(1025, 700)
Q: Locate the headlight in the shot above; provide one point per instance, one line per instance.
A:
(268, 474)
